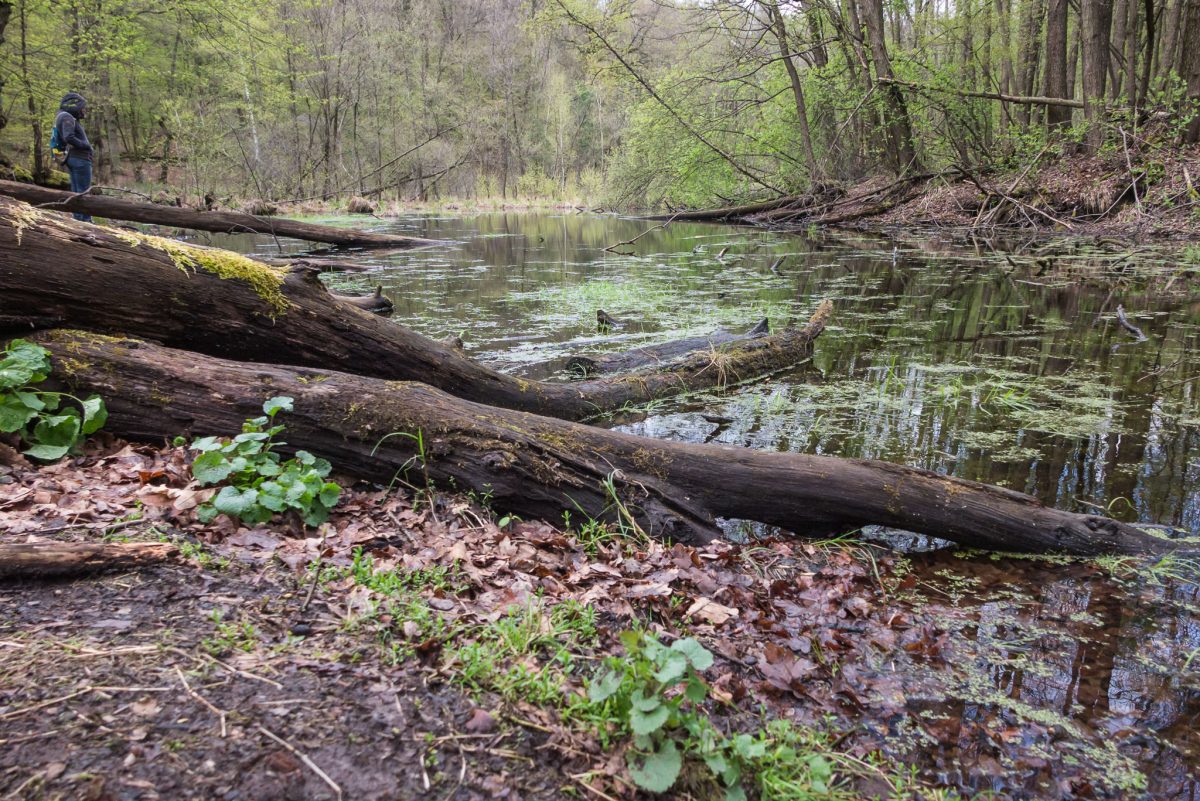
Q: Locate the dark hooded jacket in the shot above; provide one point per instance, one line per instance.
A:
(70, 129)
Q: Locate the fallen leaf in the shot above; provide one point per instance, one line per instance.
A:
(710, 610)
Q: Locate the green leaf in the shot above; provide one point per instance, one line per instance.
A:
(602, 690)
(305, 458)
(95, 414)
(270, 495)
(659, 770)
(268, 467)
(672, 669)
(822, 771)
(330, 492)
(645, 703)
(276, 404)
(716, 762)
(207, 444)
(47, 453)
(696, 690)
(316, 516)
(14, 413)
(211, 467)
(631, 640)
(735, 793)
(31, 399)
(322, 467)
(23, 363)
(234, 502)
(206, 512)
(59, 429)
(699, 656)
(648, 722)
(251, 436)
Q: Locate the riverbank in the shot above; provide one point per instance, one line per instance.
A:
(1146, 189)
(418, 644)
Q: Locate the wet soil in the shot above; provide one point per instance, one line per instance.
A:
(108, 691)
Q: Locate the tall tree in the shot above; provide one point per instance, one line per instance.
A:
(902, 152)
(1056, 62)
(1097, 26)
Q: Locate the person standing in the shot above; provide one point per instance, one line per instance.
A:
(69, 123)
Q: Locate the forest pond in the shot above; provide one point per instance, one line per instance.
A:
(1003, 364)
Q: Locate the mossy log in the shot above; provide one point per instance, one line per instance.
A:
(26, 560)
(662, 354)
(224, 222)
(539, 466)
(56, 272)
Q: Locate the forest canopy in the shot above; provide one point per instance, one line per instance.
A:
(628, 103)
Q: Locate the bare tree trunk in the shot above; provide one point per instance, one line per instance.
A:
(1056, 62)
(5, 15)
(1168, 60)
(1130, 52)
(1004, 21)
(1030, 50)
(779, 28)
(1191, 66)
(1148, 51)
(1097, 25)
(539, 466)
(1116, 71)
(902, 152)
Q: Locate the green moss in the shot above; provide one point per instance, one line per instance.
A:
(266, 282)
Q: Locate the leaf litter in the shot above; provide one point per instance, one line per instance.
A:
(405, 651)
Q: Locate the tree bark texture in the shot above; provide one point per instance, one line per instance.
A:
(1056, 62)
(37, 559)
(1096, 26)
(57, 272)
(224, 222)
(540, 466)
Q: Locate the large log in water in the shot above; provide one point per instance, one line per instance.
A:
(539, 466)
(56, 272)
(222, 222)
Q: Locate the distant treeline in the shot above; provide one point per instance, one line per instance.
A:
(631, 102)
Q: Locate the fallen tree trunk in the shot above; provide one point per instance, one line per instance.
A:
(658, 355)
(37, 559)
(539, 466)
(375, 302)
(223, 222)
(56, 272)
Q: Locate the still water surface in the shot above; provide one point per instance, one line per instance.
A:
(999, 365)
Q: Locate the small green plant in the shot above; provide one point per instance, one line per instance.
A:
(258, 483)
(230, 636)
(655, 693)
(38, 416)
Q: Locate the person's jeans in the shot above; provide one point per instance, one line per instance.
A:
(81, 180)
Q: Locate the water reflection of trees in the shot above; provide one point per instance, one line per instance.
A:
(1112, 663)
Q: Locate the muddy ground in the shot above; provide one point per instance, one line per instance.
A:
(372, 658)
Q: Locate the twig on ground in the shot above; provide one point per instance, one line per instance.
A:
(220, 713)
(16, 713)
(304, 758)
(227, 667)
